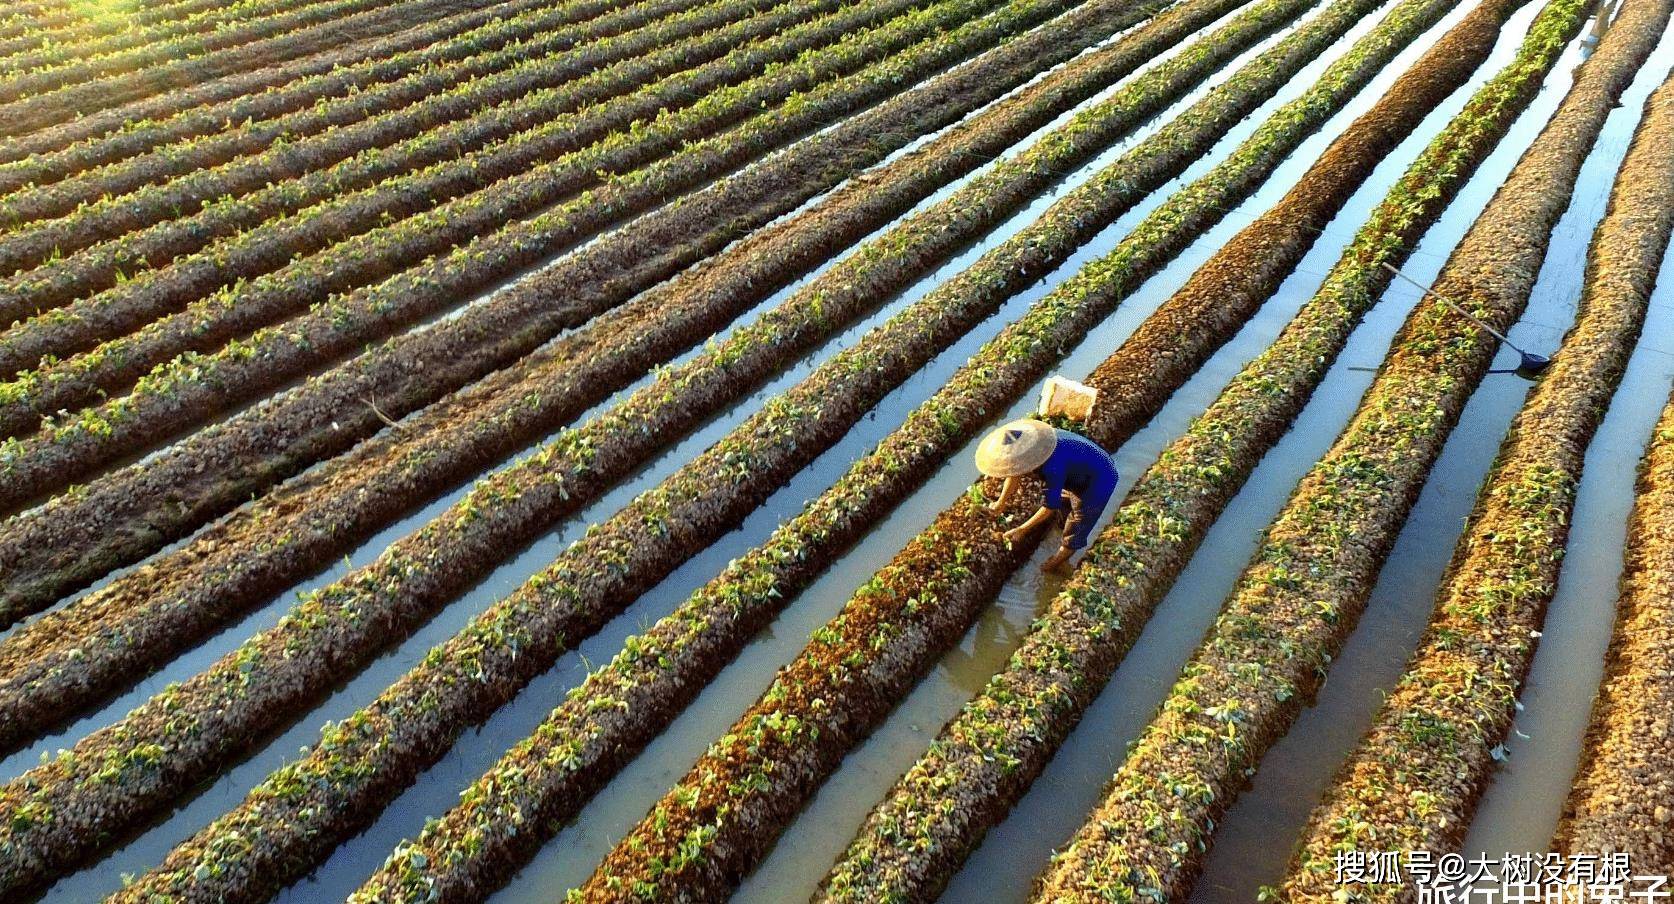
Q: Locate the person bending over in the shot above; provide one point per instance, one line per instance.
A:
(1074, 468)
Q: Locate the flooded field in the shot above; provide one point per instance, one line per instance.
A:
(510, 490)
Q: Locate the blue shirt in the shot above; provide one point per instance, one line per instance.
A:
(1081, 466)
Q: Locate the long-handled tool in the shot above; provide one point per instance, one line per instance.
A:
(1530, 364)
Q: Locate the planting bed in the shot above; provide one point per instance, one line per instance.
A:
(1269, 648)
(379, 368)
(106, 136)
(1629, 731)
(185, 389)
(688, 145)
(238, 272)
(37, 101)
(983, 761)
(504, 646)
(388, 377)
(1100, 285)
(232, 563)
(1417, 775)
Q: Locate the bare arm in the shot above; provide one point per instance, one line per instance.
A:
(1007, 491)
(1040, 516)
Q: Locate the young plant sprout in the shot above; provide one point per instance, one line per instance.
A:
(1528, 364)
(368, 369)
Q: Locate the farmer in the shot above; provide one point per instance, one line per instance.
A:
(1072, 466)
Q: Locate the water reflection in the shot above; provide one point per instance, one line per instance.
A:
(1001, 627)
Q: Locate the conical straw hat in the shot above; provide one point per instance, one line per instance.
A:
(1016, 448)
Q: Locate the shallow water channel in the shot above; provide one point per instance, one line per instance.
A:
(479, 750)
(1254, 842)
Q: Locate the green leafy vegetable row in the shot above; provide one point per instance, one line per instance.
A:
(58, 96)
(107, 136)
(134, 43)
(696, 146)
(50, 667)
(88, 197)
(1611, 805)
(1290, 611)
(985, 759)
(713, 825)
(1413, 782)
(316, 221)
(120, 774)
